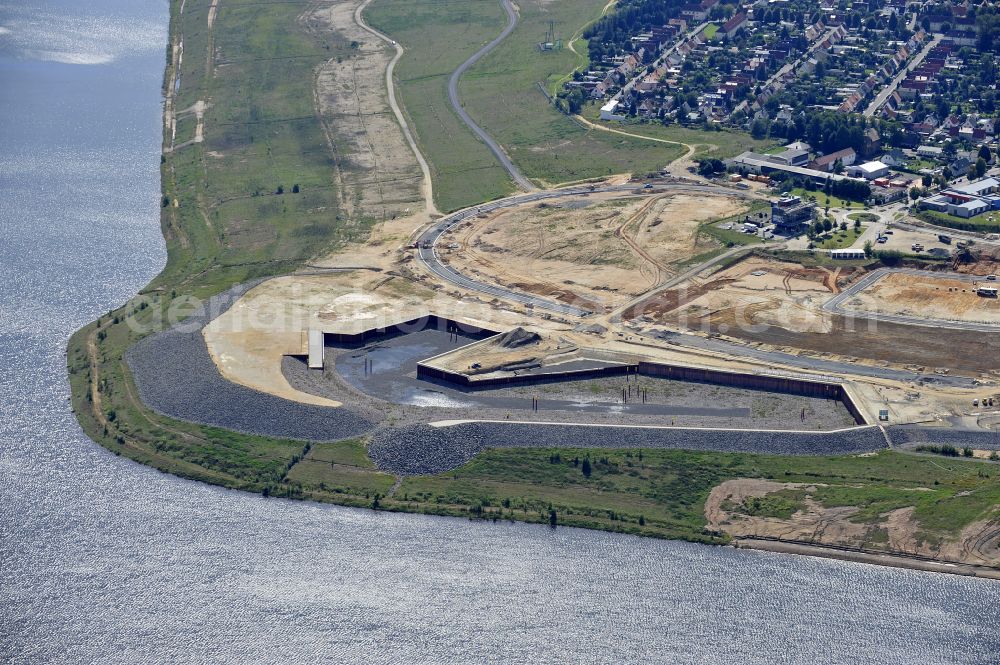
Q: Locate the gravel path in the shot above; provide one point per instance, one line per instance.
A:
(175, 376)
(421, 449)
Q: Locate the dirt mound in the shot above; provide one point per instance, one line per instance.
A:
(517, 337)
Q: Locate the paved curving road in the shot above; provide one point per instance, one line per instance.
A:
(494, 147)
(427, 242)
(835, 304)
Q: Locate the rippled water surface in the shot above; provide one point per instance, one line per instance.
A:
(103, 560)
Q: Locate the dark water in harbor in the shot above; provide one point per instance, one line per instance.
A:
(104, 560)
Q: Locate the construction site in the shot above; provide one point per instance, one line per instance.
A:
(604, 249)
(652, 310)
(582, 288)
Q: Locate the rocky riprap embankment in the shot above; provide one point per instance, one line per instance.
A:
(175, 376)
(910, 437)
(419, 449)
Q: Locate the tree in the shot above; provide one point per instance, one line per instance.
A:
(759, 128)
(915, 193)
(926, 180)
(295, 188)
(827, 224)
(966, 254)
(586, 467)
(857, 224)
(280, 190)
(553, 518)
(869, 249)
(980, 167)
(985, 154)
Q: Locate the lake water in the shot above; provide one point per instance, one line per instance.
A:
(103, 560)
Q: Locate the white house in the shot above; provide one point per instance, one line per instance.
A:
(608, 111)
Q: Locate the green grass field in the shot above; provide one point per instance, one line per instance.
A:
(840, 239)
(502, 93)
(823, 199)
(438, 36)
(720, 144)
(667, 489)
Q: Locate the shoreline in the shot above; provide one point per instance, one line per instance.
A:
(871, 557)
(133, 445)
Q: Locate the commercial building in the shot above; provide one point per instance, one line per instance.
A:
(869, 170)
(608, 111)
(967, 200)
(790, 213)
(827, 162)
(752, 162)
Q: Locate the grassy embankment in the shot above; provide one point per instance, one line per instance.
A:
(984, 223)
(438, 36)
(662, 493)
(224, 224)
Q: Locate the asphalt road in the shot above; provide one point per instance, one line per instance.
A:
(494, 147)
(881, 98)
(835, 304)
(428, 240)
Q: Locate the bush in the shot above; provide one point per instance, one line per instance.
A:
(889, 257)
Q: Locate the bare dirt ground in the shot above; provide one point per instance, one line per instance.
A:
(895, 531)
(271, 320)
(755, 292)
(379, 175)
(781, 309)
(926, 296)
(602, 249)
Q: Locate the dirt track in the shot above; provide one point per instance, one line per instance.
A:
(379, 175)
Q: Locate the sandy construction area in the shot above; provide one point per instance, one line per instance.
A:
(754, 292)
(926, 297)
(271, 320)
(603, 249)
(379, 177)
